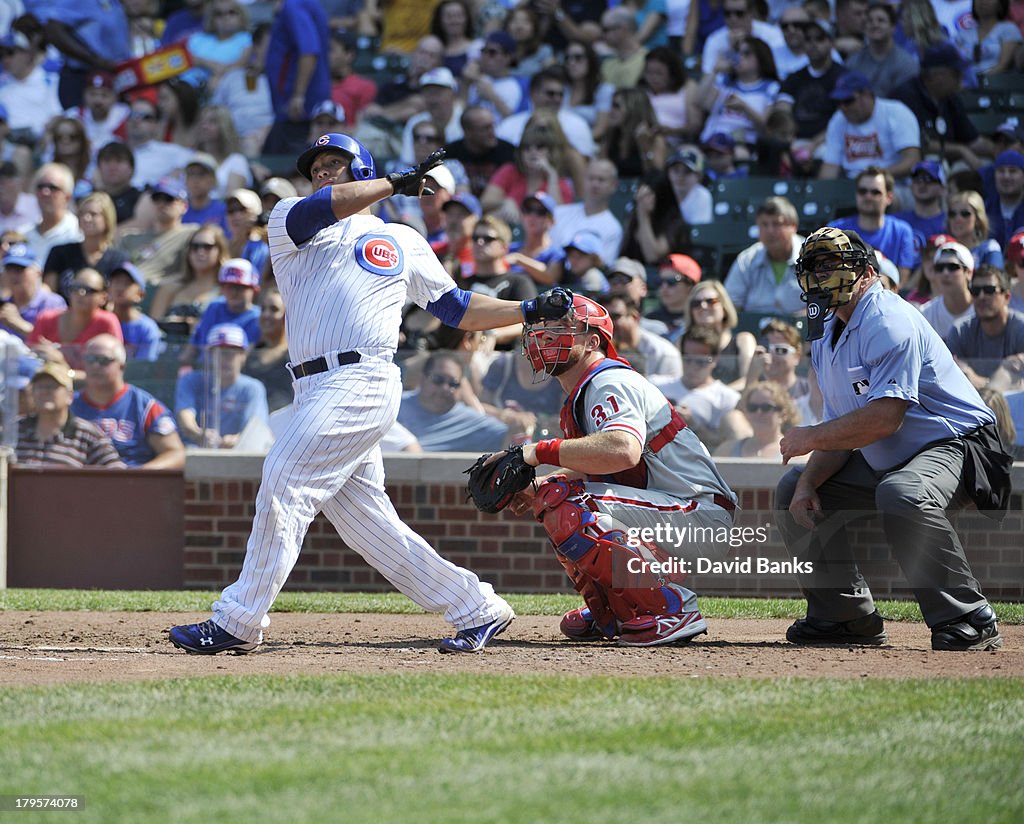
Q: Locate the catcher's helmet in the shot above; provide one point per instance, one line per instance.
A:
(362, 166)
(550, 346)
(831, 261)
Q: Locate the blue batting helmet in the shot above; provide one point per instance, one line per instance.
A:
(362, 166)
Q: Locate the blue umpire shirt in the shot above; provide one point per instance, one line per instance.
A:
(888, 350)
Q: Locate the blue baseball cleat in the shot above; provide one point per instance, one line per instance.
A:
(208, 639)
(475, 639)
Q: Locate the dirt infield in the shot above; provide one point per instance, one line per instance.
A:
(68, 647)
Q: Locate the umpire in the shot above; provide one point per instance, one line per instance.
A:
(904, 434)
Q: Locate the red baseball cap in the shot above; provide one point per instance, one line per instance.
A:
(684, 265)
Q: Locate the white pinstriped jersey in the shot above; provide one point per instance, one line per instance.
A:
(344, 289)
(621, 399)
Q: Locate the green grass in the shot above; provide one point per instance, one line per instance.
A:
(394, 603)
(463, 748)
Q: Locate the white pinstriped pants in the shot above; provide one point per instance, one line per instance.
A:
(329, 460)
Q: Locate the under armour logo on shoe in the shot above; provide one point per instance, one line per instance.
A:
(206, 641)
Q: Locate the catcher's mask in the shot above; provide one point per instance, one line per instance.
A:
(548, 345)
(831, 262)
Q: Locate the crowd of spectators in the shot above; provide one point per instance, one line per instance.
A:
(585, 145)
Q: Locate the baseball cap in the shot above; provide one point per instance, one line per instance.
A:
(1015, 249)
(131, 270)
(1010, 128)
(935, 241)
(467, 201)
(720, 142)
(328, 107)
(932, 168)
(848, 85)
(888, 268)
(441, 76)
(240, 271)
(28, 365)
(247, 198)
(692, 159)
(942, 56)
(684, 265)
(172, 187)
(502, 39)
(443, 177)
(1009, 158)
(20, 254)
(279, 187)
(956, 250)
(587, 242)
(60, 372)
(349, 39)
(633, 269)
(227, 334)
(544, 199)
(100, 80)
(15, 40)
(207, 161)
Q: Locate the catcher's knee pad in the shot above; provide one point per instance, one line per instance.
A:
(612, 574)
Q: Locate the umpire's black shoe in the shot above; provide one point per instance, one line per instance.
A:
(975, 630)
(865, 631)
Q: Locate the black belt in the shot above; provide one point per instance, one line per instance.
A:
(724, 502)
(318, 365)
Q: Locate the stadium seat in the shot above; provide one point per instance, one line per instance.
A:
(819, 201)
(737, 198)
(715, 245)
(621, 203)
(1006, 82)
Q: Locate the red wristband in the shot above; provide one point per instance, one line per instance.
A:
(547, 451)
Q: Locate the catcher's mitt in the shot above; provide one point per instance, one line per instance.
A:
(493, 486)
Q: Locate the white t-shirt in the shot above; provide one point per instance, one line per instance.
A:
(707, 404)
(571, 218)
(877, 141)
(697, 207)
(940, 318)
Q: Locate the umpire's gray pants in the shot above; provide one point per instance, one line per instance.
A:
(912, 500)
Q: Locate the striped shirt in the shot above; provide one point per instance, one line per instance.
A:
(79, 443)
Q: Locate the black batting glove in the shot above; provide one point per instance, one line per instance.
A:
(548, 306)
(407, 181)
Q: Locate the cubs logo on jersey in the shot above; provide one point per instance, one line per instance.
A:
(379, 254)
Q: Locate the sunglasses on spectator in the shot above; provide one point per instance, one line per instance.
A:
(863, 190)
(43, 186)
(673, 280)
(67, 136)
(734, 13)
(948, 267)
(704, 303)
(619, 279)
(575, 56)
(780, 349)
(616, 316)
(199, 245)
(923, 179)
(978, 291)
(699, 360)
(84, 289)
(160, 197)
(226, 13)
(98, 360)
(960, 213)
(441, 380)
(816, 38)
(142, 116)
(794, 24)
(762, 407)
(539, 211)
(234, 210)
(484, 238)
(492, 51)
(423, 137)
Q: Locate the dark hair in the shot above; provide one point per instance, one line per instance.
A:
(437, 29)
(1001, 13)
(439, 357)
(556, 73)
(188, 100)
(630, 304)
(705, 335)
(987, 270)
(593, 77)
(116, 150)
(765, 59)
(671, 60)
(877, 171)
(889, 10)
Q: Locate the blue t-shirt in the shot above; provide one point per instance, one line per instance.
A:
(142, 338)
(100, 24)
(888, 350)
(257, 253)
(895, 239)
(216, 213)
(988, 251)
(923, 228)
(299, 27)
(460, 429)
(218, 312)
(244, 400)
(127, 420)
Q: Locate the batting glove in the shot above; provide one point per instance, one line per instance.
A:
(407, 181)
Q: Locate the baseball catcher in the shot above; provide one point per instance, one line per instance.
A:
(627, 462)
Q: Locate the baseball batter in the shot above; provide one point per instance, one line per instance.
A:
(344, 276)
(633, 464)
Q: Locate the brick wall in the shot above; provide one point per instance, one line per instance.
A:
(513, 553)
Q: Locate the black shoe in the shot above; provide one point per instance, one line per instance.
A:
(975, 630)
(865, 631)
